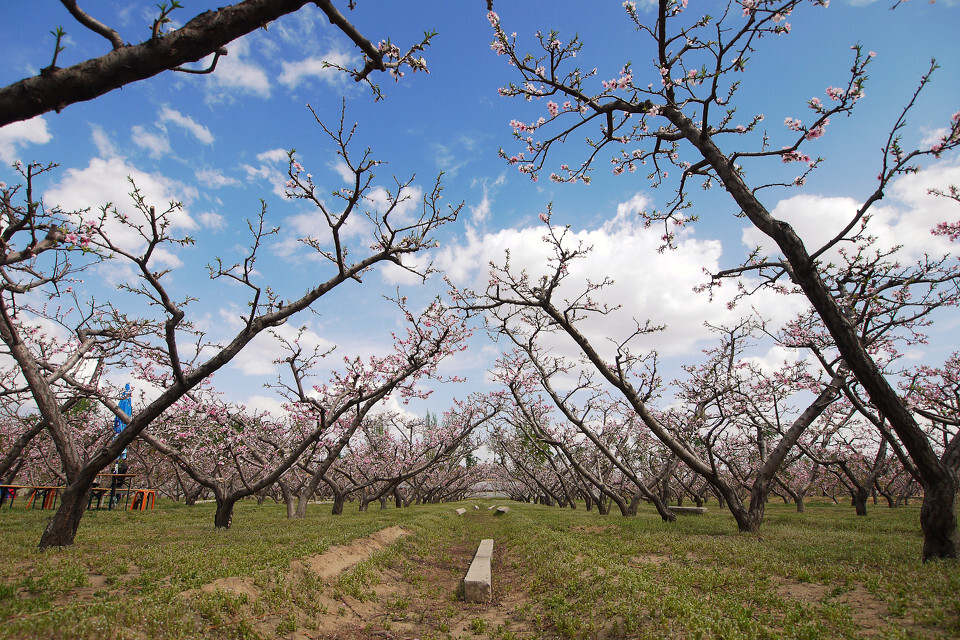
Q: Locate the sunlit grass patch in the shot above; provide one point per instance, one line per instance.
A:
(822, 574)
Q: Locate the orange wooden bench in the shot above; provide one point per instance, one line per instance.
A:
(143, 499)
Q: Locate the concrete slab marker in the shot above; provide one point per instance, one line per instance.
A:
(477, 585)
(688, 511)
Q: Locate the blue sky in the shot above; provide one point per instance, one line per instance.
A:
(217, 144)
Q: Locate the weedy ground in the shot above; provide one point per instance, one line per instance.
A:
(168, 574)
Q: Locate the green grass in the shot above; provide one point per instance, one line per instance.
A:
(822, 574)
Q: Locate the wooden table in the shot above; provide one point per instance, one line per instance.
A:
(50, 494)
(119, 483)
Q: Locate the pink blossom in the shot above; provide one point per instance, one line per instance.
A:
(794, 156)
(793, 124)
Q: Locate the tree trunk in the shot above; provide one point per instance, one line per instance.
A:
(859, 500)
(288, 500)
(938, 515)
(223, 517)
(603, 506)
(338, 500)
(62, 527)
(938, 519)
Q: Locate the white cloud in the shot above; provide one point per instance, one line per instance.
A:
(235, 72)
(215, 180)
(273, 155)
(774, 359)
(211, 220)
(272, 169)
(105, 146)
(21, 134)
(647, 284)
(260, 404)
(904, 217)
(294, 74)
(196, 129)
(453, 155)
(481, 212)
(156, 143)
(257, 358)
(107, 180)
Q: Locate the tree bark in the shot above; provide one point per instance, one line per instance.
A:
(223, 517)
(55, 88)
(938, 515)
(62, 527)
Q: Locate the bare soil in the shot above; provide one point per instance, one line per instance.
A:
(411, 598)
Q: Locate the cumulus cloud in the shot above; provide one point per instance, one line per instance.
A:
(272, 168)
(647, 284)
(904, 217)
(294, 74)
(107, 180)
(481, 212)
(236, 73)
(257, 358)
(265, 404)
(155, 142)
(215, 180)
(22, 134)
(212, 220)
(192, 127)
(358, 228)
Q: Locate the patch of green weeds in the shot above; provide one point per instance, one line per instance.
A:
(478, 626)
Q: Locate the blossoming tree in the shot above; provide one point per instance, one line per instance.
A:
(43, 249)
(685, 106)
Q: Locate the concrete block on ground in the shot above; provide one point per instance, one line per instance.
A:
(688, 511)
(460, 512)
(501, 510)
(491, 508)
(477, 585)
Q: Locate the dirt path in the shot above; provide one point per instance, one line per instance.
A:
(403, 597)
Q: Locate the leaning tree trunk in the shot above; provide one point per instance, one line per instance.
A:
(938, 516)
(62, 527)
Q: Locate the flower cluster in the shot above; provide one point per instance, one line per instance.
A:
(623, 82)
(794, 156)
